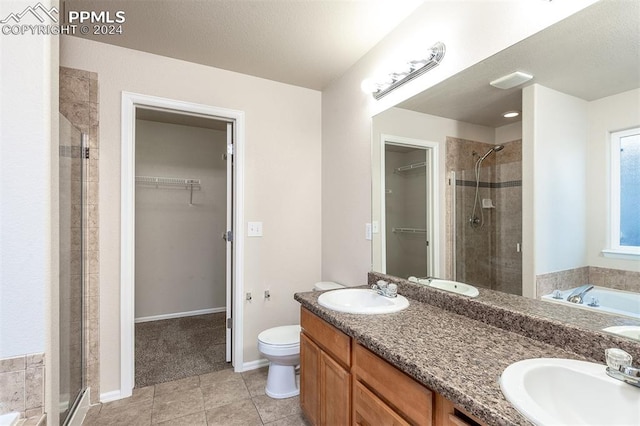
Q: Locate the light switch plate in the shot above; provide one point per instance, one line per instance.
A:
(254, 229)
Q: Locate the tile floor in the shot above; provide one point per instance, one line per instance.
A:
(219, 398)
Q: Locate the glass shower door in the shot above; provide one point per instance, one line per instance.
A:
(72, 244)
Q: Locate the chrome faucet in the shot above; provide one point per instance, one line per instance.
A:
(385, 289)
(619, 366)
(577, 295)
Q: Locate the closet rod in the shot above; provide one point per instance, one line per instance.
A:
(411, 166)
(409, 230)
(165, 181)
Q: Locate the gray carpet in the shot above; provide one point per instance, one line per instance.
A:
(173, 349)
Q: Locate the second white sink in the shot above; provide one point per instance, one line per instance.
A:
(554, 391)
(361, 301)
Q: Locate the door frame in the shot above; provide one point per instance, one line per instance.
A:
(130, 102)
(432, 198)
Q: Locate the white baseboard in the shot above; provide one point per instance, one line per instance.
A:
(253, 365)
(110, 396)
(180, 314)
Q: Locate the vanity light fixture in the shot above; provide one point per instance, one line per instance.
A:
(511, 114)
(511, 80)
(411, 70)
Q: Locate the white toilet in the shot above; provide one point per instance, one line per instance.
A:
(281, 346)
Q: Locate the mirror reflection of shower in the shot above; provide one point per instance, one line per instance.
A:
(474, 220)
(485, 214)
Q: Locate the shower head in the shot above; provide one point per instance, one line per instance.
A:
(495, 148)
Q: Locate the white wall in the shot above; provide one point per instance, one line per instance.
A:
(508, 133)
(606, 115)
(557, 144)
(282, 180)
(430, 128)
(180, 255)
(28, 179)
(472, 31)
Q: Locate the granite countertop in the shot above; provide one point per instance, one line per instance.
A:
(454, 355)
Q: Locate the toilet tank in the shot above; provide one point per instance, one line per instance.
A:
(326, 285)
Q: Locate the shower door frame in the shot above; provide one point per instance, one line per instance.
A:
(130, 102)
(432, 198)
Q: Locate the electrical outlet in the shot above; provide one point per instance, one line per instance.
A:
(254, 229)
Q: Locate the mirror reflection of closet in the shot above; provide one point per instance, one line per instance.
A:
(407, 186)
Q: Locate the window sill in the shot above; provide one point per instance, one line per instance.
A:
(621, 254)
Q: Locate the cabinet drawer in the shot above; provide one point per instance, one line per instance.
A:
(447, 414)
(329, 338)
(369, 410)
(393, 386)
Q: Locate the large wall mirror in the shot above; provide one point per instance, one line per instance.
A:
(520, 204)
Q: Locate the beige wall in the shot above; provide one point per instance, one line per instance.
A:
(282, 184)
(471, 31)
(180, 256)
(606, 115)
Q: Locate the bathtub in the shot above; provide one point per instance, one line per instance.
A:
(9, 419)
(615, 302)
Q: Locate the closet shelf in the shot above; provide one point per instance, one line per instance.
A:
(409, 231)
(410, 167)
(157, 182)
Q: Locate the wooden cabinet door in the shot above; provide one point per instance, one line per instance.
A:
(310, 379)
(369, 410)
(335, 392)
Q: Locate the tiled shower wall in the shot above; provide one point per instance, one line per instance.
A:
(22, 385)
(79, 104)
(486, 256)
(601, 277)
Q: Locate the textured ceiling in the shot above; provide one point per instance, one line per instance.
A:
(592, 54)
(306, 43)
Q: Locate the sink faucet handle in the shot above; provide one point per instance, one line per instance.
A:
(617, 358)
(392, 290)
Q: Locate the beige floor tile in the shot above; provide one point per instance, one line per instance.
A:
(140, 396)
(276, 409)
(218, 377)
(242, 413)
(256, 380)
(295, 420)
(118, 409)
(176, 405)
(196, 419)
(134, 415)
(223, 393)
(177, 385)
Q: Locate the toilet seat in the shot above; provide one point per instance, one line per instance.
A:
(286, 336)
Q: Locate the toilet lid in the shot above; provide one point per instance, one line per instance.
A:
(285, 335)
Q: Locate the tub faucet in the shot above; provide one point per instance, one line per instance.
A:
(577, 295)
(619, 367)
(385, 289)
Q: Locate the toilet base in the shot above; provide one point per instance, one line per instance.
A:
(281, 381)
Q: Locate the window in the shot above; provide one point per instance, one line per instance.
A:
(625, 193)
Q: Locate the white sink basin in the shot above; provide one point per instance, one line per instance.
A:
(554, 391)
(455, 287)
(361, 301)
(630, 331)
(452, 286)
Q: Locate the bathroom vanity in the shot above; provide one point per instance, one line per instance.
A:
(341, 380)
(423, 365)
